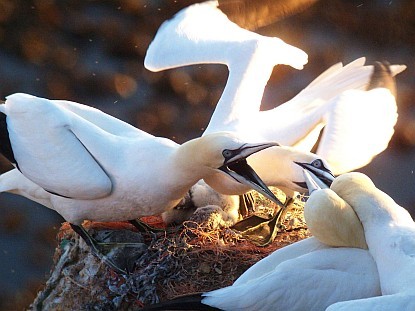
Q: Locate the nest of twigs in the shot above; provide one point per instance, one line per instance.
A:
(182, 260)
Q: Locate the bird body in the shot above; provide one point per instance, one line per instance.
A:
(104, 173)
(334, 100)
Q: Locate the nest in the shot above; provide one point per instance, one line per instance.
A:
(183, 260)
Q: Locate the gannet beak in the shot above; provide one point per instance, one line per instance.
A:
(320, 172)
(313, 183)
(236, 166)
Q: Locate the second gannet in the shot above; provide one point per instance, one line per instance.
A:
(340, 96)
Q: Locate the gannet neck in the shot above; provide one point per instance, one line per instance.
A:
(194, 160)
(241, 98)
(373, 207)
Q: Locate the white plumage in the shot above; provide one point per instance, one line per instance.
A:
(334, 100)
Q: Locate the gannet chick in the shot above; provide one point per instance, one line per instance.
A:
(107, 170)
(390, 236)
(201, 201)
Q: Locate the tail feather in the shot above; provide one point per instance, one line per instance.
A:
(382, 77)
(188, 302)
(355, 75)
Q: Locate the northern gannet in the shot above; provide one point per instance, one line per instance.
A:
(339, 97)
(87, 165)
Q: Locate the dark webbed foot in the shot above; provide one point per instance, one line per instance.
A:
(261, 231)
(116, 249)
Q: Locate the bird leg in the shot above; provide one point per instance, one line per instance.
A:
(283, 211)
(141, 226)
(246, 203)
(95, 247)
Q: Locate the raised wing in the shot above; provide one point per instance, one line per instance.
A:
(359, 126)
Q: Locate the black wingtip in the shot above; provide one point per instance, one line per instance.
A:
(5, 144)
(382, 77)
(188, 302)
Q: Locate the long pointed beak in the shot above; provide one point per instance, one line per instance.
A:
(313, 182)
(238, 168)
(246, 150)
(323, 174)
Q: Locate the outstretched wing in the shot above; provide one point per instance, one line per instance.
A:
(359, 126)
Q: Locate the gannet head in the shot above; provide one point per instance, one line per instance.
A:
(226, 154)
(330, 218)
(315, 165)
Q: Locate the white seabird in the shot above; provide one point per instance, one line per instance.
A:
(340, 96)
(309, 275)
(87, 165)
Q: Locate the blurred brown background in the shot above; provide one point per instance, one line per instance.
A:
(92, 52)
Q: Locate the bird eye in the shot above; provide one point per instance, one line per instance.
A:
(227, 153)
(317, 163)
